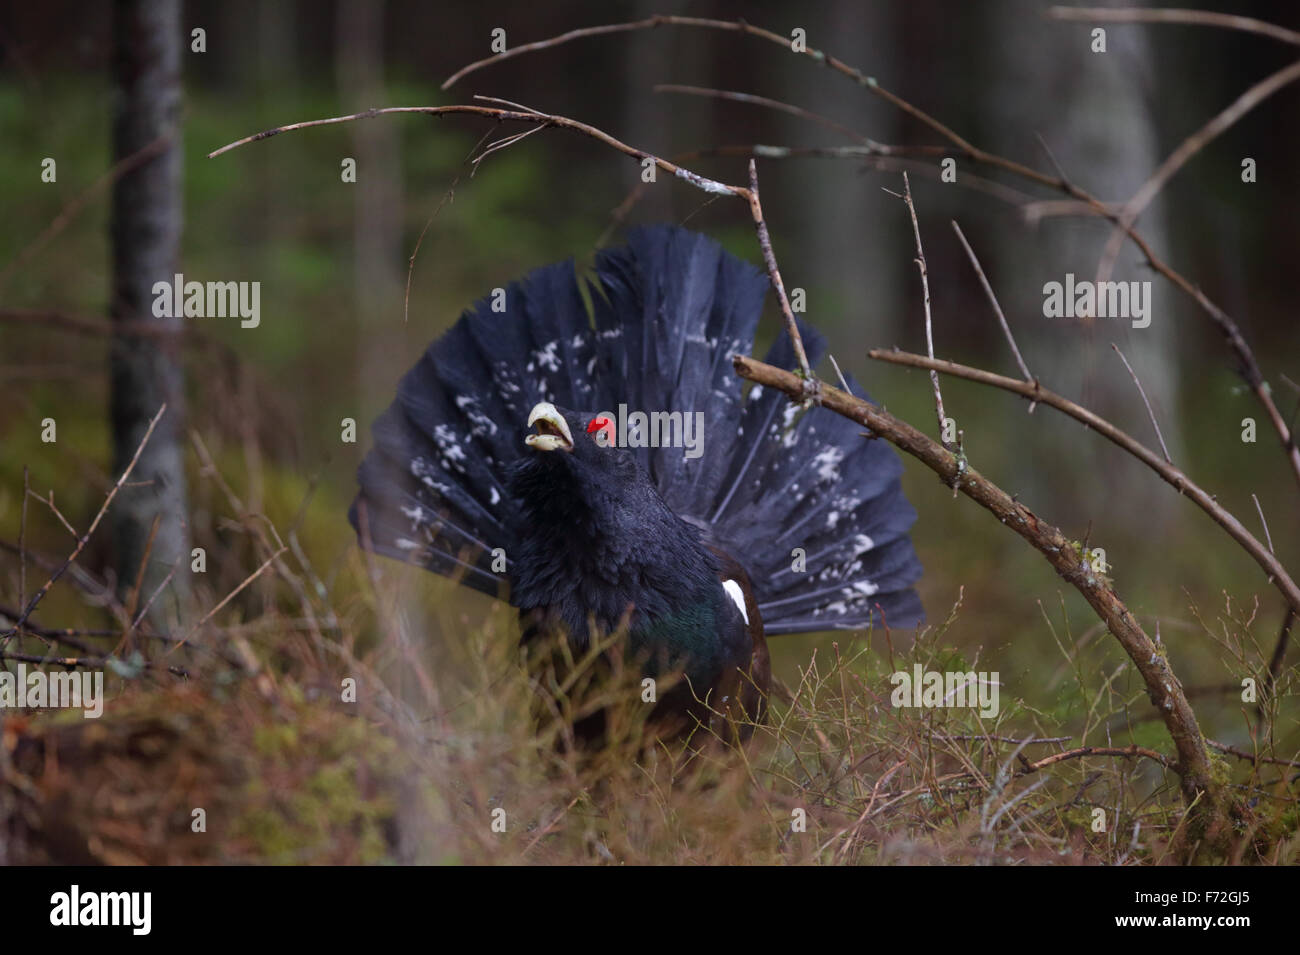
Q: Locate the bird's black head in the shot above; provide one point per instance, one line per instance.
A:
(595, 536)
(579, 484)
(579, 450)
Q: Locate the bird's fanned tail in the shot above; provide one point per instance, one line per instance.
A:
(813, 511)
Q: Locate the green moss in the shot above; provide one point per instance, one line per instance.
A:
(321, 787)
(274, 739)
(1220, 771)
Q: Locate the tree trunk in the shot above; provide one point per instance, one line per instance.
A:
(379, 257)
(846, 262)
(145, 370)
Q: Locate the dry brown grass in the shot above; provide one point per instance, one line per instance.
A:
(446, 733)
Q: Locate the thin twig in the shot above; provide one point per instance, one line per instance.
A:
(1264, 521)
(76, 324)
(844, 382)
(1275, 661)
(1051, 157)
(48, 501)
(750, 99)
(976, 737)
(1150, 412)
(1205, 18)
(448, 196)
(1082, 751)
(733, 26)
(69, 637)
(81, 542)
(22, 540)
(162, 585)
(929, 328)
(1242, 754)
(550, 826)
(531, 117)
(504, 143)
(993, 300)
(769, 259)
(225, 600)
(505, 102)
(87, 663)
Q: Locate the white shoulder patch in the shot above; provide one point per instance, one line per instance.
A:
(737, 595)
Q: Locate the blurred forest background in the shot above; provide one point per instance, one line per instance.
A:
(332, 261)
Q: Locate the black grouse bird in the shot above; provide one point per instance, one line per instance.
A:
(592, 448)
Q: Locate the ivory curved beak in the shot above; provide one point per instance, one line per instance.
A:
(552, 430)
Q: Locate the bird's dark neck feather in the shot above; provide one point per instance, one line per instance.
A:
(599, 549)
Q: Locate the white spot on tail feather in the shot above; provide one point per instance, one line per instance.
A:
(827, 463)
(546, 356)
(864, 587)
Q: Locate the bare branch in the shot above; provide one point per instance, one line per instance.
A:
(973, 737)
(1034, 391)
(1082, 751)
(1185, 151)
(533, 117)
(1165, 691)
(769, 258)
(87, 325)
(1242, 754)
(523, 116)
(1205, 18)
(925, 288)
(1250, 368)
